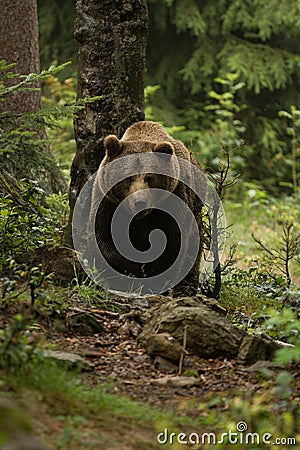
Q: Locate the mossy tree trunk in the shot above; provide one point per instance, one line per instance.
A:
(112, 39)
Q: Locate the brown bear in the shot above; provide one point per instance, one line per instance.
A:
(141, 179)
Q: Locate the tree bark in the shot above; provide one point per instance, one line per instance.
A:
(19, 44)
(111, 62)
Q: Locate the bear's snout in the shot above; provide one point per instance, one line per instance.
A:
(140, 202)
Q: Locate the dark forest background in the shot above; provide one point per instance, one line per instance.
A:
(225, 71)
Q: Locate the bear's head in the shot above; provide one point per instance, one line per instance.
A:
(145, 187)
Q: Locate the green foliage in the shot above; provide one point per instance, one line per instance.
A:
(149, 92)
(285, 325)
(266, 67)
(25, 223)
(23, 142)
(29, 218)
(17, 347)
(24, 81)
(60, 96)
(24, 151)
(187, 17)
(266, 275)
(225, 128)
(249, 39)
(284, 251)
(289, 354)
(292, 123)
(247, 294)
(280, 250)
(77, 404)
(56, 23)
(262, 19)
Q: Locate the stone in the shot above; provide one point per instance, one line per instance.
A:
(69, 359)
(176, 381)
(164, 365)
(164, 345)
(209, 333)
(255, 348)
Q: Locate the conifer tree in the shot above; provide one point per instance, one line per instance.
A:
(19, 44)
(193, 42)
(19, 47)
(56, 23)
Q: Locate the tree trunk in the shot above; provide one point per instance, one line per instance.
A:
(19, 44)
(111, 62)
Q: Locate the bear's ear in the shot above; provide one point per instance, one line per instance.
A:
(112, 145)
(164, 147)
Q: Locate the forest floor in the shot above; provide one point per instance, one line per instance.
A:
(136, 399)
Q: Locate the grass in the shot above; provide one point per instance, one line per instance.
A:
(69, 414)
(94, 418)
(85, 417)
(264, 218)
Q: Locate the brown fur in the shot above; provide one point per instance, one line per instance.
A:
(144, 137)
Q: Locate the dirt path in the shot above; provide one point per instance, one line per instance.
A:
(117, 358)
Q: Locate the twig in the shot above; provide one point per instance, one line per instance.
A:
(95, 312)
(183, 353)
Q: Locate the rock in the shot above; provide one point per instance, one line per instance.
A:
(212, 303)
(84, 324)
(176, 381)
(72, 360)
(132, 321)
(209, 333)
(164, 365)
(164, 345)
(130, 327)
(255, 348)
